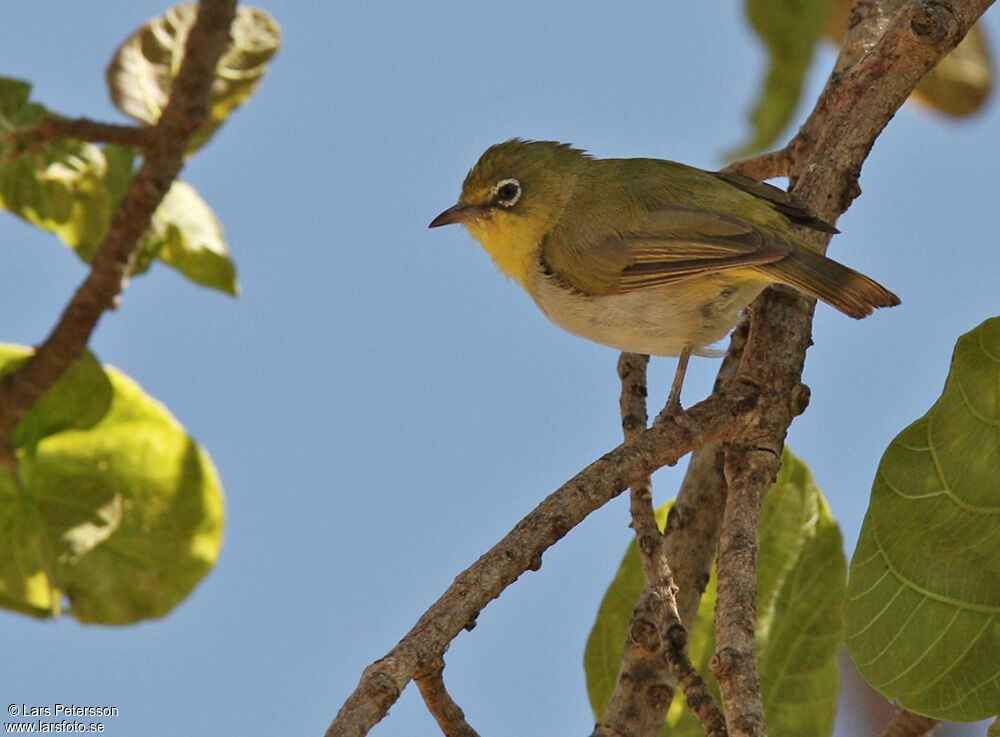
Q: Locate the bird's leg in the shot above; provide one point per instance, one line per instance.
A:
(674, 400)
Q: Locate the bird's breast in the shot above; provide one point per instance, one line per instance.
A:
(656, 320)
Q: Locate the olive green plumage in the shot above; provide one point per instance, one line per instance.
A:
(645, 255)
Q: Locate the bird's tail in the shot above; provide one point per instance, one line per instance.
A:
(852, 293)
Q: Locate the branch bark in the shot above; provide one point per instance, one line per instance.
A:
(168, 140)
(907, 724)
(442, 707)
(84, 129)
(827, 156)
(521, 549)
(654, 659)
(645, 685)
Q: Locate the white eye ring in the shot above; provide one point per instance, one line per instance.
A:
(510, 199)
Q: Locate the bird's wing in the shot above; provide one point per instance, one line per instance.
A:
(677, 243)
(784, 202)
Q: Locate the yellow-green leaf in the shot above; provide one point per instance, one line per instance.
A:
(923, 614)
(801, 580)
(79, 399)
(56, 185)
(142, 72)
(117, 521)
(186, 235)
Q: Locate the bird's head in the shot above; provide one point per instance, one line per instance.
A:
(514, 196)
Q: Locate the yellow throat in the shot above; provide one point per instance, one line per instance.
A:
(514, 243)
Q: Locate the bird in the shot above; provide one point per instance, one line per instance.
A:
(646, 255)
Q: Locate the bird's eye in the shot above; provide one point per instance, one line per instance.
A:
(507, 192)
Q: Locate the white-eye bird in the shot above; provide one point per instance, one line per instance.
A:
(645, 255)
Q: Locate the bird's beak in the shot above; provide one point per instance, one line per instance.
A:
(460, 213)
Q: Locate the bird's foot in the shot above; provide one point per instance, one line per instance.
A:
(671, 409)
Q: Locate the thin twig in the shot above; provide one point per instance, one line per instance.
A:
(699, 699)
(765, 166)
(632, 372)
(82, 129)
(182, 116)
(907, 724)
(442, 707)
(645, 686)
(654, 659)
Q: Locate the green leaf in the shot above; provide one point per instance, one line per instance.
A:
(800, 593)
(57, 185)
(143, 69)
(789, 30)
(27, 559)
(802, 580)
(119, 521)
(994, 729)
(923, 615)
(71, 188)
(79, 399)
(186, 235)
(14, 104)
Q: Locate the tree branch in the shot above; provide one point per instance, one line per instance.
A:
(445, 711)
(719, 417)
(907, 724)
(699, 699)
(83, 129)
(168, 140)
(918, 37)
(889, 46)
(645, 685)
(851, 113)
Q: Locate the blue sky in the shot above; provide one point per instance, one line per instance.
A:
(381, 404)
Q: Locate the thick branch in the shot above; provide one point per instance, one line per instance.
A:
(889, 46)
(857, 104)
(853, 110)
(183, 115)
(735, 662)
(773, 357)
